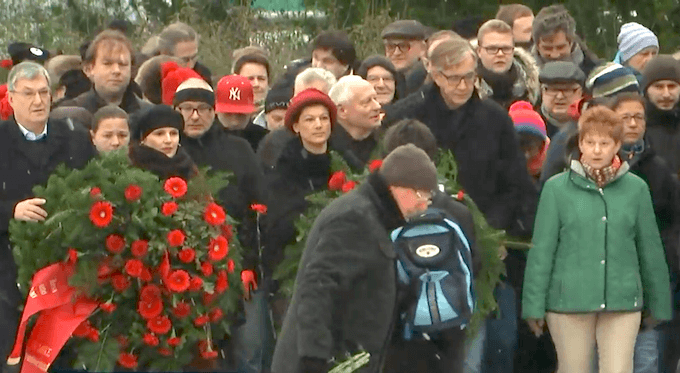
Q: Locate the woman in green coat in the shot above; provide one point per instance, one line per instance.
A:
(597, 262)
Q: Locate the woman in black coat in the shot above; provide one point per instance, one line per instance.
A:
(158, 149)
(303, 168)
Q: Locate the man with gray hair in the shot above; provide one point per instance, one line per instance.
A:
(314, 77)
(31, 148)
(181, 40)
(354, 135)
(478, 132)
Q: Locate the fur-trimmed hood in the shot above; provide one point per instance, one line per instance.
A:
(527, 72)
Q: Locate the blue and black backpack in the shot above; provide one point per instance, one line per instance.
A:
(435, 262)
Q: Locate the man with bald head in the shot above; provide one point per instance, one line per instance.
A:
(354, 135)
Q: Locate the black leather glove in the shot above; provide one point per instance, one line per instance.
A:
(313, 365)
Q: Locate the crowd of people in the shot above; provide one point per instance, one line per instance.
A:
(579, 154)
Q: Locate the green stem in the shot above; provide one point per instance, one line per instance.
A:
(101, 347)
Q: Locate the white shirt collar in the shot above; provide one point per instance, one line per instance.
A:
(30, 136)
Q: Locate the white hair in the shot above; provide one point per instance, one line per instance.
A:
(26, 70)
(342, 90)
(314, 74)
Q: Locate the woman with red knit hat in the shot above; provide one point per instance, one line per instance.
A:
(303, 168)
(532, 136)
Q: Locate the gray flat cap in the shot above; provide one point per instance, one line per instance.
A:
(405, 28)
(561, 72)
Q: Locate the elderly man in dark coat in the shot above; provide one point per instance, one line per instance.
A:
(31, 148)
(346, 288)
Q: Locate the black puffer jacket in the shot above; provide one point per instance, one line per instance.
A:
(223, 152)
(297, 174)
(482, 138)
(345, 290)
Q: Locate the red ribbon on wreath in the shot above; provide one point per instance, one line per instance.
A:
(60, 310)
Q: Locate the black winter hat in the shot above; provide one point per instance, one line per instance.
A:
(20, 52)
(159, 116)
(278, 97)
(410, 167)
(661, 67)
(376, 60)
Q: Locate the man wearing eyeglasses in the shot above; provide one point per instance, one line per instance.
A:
(507, 74)
(181, 40)
(479, 133)
(404, 42)
(31, 148)
(561, 86)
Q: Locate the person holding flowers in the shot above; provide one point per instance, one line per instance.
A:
(158, 149)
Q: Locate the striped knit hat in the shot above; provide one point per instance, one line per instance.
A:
(526, 120)
(633, 38)
(611, 78)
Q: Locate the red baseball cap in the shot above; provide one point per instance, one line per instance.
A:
(234, 94)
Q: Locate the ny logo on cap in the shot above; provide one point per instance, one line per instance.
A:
(234, 94)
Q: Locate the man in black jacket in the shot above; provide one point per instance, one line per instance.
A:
(354, 135)
(479, 133)
(345, 292)
(31, 148)
(108, 64)
(662, 93)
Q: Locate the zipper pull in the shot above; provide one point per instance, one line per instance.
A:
(601, 191)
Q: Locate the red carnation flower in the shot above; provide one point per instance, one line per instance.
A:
(175, 187)
(108, 307)
(82, 330)
(133, 192)
(181, 310)
(174, 341)
(104, 269)
(460, 195)
(222, 282)
(150, 340)
(164, 351)
(72, 255)
(151, 308)
(206, 268)
(214, 214)
(216, 314)
(337, 180)
(120, 283)
(169, 208)
(375, 165)
(93, 335)
(149, 293)
(207, 351)
(187, 255)
(139, 248)
(95, 192)
(101, 214)
(227, 231)
(115, 243)
(346, 187)
(201, 320)
(196, 284)
(134, 267)
(127, 360)
(218, 248)
(230, 266)
(262, 209)
(146, 275)
(164, 266)
(6, 64)
(159, 324)
(208, 298)
(122, 341)
(178, 281)
(176, 237)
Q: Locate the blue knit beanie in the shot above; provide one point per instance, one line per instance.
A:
(633, 38)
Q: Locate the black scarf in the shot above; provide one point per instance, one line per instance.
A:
(662, 118)
(160, 164)
(309, 171)
(502, 84)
